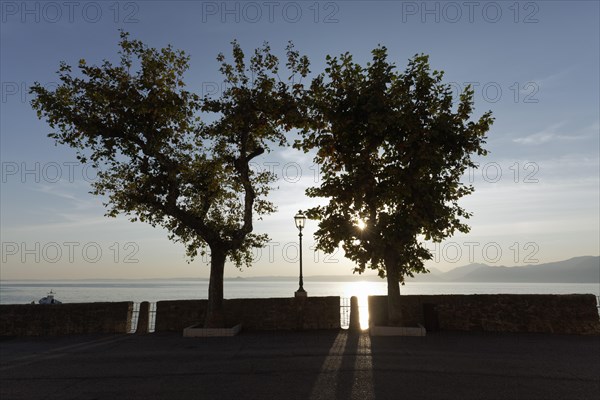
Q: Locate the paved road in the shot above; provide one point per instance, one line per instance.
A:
(303, 365)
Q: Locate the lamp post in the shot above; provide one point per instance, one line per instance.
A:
(299, 220)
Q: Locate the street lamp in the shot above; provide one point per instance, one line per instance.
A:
(299, 220)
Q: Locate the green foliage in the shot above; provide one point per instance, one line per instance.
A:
(157, 161)
(392, 151)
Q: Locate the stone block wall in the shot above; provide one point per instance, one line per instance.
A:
(565, 314)
(568, 314)
(64, 319)
(254, 314)
(175, 315)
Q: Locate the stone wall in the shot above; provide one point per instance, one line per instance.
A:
(254, 314)
(570, 314)
(64, 319)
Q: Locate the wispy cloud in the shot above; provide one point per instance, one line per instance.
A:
(555, 80)
(61, 190)
(594, 127)
(71, 222)
(540, 138)
(550, 134)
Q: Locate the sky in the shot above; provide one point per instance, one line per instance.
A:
(534, 64)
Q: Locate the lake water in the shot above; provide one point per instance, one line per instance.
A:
(22, 292)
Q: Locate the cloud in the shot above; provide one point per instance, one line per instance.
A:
(594, 127)
(78, 201)
(550, 134)
(555, 80)
(540, 138)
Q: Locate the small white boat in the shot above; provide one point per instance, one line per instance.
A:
(49, 299)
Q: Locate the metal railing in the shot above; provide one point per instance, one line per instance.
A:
(344, 312)
(152, 318)
(135, 316)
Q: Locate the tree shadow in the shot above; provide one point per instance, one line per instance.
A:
(347, 370)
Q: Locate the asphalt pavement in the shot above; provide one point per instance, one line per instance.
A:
(301, 365)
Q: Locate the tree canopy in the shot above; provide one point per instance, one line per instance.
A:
(159, 163)
(392, 148)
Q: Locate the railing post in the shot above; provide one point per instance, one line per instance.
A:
(354, 315)
(143, 318)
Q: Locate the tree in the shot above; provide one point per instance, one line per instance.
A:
(159, 163)
(392, 152)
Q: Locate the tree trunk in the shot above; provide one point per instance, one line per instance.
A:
(215, 317)
(393, 287)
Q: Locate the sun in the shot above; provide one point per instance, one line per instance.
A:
(361, 224)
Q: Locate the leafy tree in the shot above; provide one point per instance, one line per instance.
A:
(159, 163)
(392, 152)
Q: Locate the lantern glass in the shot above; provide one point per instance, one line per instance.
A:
(299, 220)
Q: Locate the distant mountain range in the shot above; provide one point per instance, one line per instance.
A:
(574, 270)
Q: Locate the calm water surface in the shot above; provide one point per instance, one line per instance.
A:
(22, 292)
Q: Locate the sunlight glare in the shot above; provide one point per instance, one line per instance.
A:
(362, 290)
